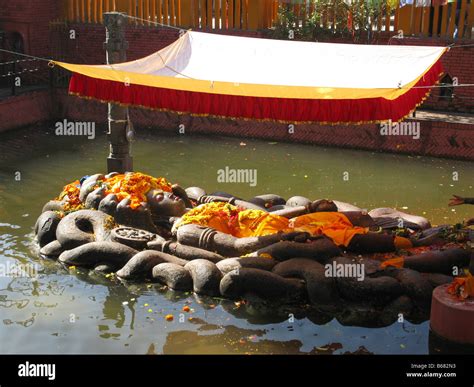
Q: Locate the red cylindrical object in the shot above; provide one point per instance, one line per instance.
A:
(451, 318)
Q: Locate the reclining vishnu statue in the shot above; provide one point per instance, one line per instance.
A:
(145, 228)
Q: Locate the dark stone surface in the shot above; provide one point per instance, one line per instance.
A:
(321, 290)
(401, 306)
(223, 194)
(94, 198)
(108, 204)
(279, 207)
(87, 186)
(45, 227)
(156, 244)
(94, 253)
(371, 243)
(180, 191)
(164, 204)
(422, 222)
(438, 261)
(320, 249)
(141, 265)
(230, 264)
(191, 253)
(415, 286)
(224, 244)
(83, 226)
(133, 237)
(268, 200)
(52, 250)
(174, 276)
(436, 279)
(296, 201)
(206, 277)
(264, 284)
(379, 290)
(54, 205)
(139, 217)
(371, 266)
(195, 193)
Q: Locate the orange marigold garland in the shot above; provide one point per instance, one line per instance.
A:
(230, 212)
(70, 194)
(462, 287)
(133, 186)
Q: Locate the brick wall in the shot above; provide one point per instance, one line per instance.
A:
(440, 139)
(30, 18)
(25, 110)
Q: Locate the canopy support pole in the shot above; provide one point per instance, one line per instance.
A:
(120, 158)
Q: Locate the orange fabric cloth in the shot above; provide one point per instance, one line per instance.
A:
(402, 243)
(259, 223)
(246, 223)
(332, 224)
(395, 262)
(231, 220)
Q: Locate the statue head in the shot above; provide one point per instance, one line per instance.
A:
(165, 203)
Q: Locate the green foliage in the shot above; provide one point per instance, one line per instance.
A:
(330, 18)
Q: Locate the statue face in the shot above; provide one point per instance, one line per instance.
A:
(166, 204)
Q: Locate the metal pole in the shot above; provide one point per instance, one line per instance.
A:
(120, 158)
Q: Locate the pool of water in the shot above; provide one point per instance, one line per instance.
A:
(61, 311)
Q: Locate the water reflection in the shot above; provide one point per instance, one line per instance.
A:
(235, 340)
(115, 303)
(6, 303)
(438, 345)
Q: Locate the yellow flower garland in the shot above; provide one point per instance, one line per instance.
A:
(133, 186)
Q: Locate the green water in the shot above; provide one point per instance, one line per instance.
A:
(60, 311)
